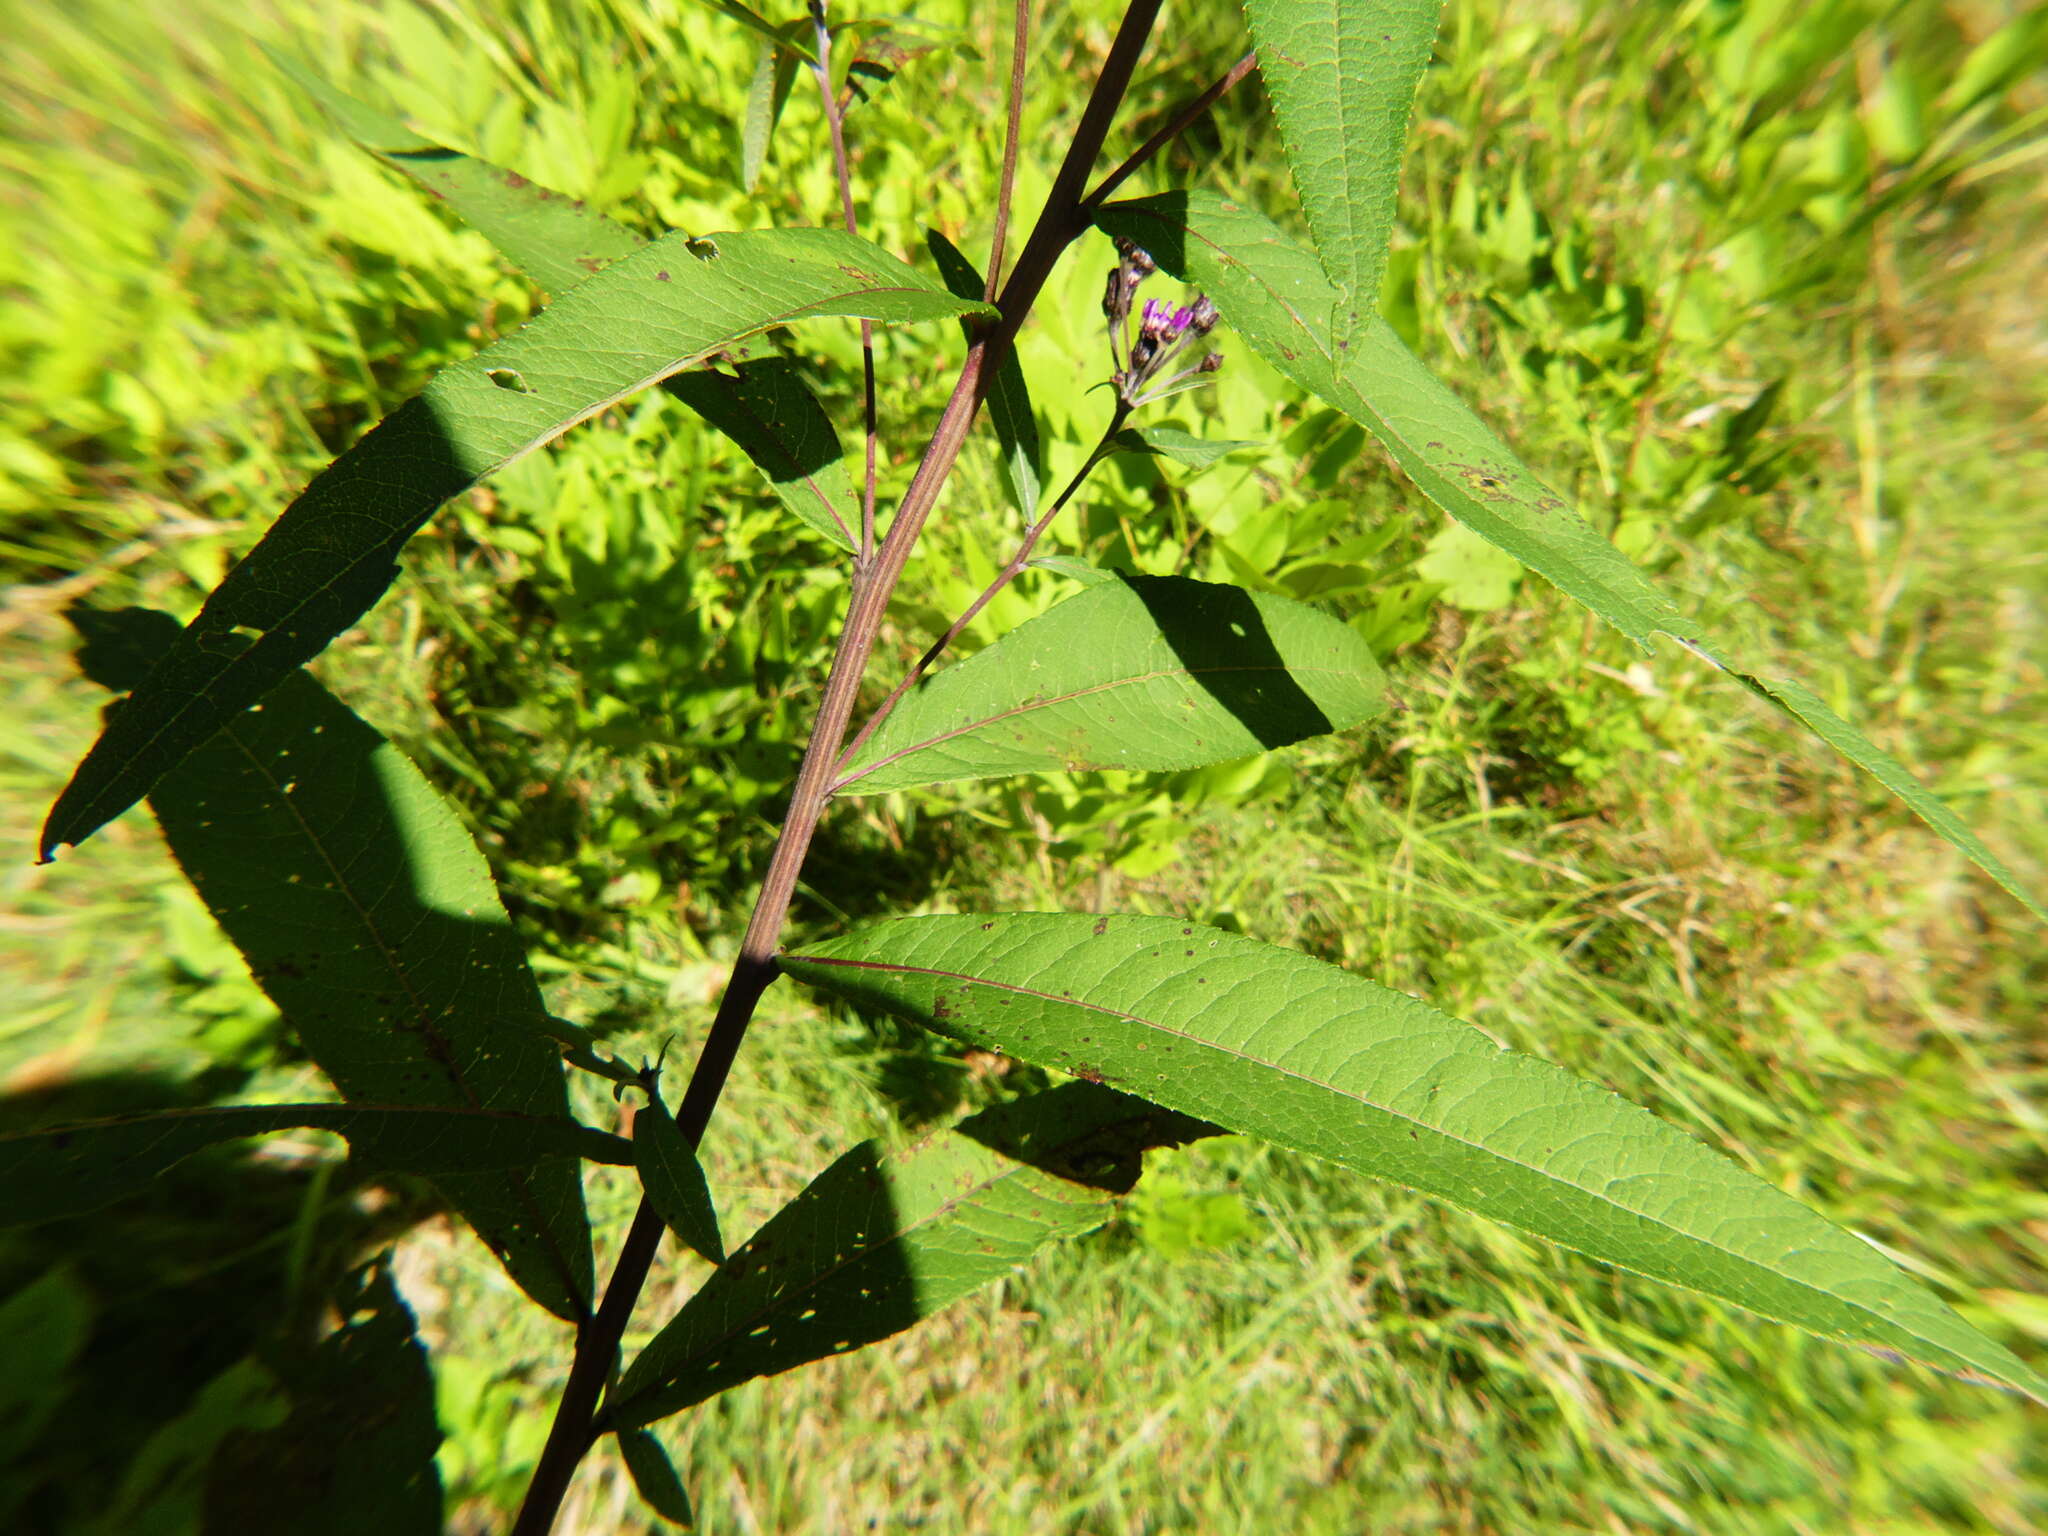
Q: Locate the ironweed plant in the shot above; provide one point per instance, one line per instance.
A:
(368, 915)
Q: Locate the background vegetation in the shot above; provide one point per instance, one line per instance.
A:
(1764, 283)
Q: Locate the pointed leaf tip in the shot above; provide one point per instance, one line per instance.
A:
(1272, 1043)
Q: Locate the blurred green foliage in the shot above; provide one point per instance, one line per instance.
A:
(1749, 278)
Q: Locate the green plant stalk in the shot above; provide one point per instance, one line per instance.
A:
(575, 1428)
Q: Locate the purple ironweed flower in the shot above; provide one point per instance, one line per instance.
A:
(1163, 331)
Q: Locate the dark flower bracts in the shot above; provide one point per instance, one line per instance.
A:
(1164, 334)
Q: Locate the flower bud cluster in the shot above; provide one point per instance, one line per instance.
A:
(1164, 332)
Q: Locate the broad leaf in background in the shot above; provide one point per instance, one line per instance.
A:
(880, 1241)
(370, 919)
(70, 1169)
(764, 408)
(1009, 401)
(1342, 79)
(1270, 1042)
(674, 1180)
(1086, 572)
(1181, 446)
(1149, 672)
(654, 1477)
(334, 551)
(1272, 293)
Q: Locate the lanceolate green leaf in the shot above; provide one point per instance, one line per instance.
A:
(332, 554)
(773, 76)
(654, 1477)
(370, 919)
(792, 38)
(1265, 1041)
(71, 1169)
(549, 236)
(1342, 78)
(763, 406)
(1272, 294)
(880, 1241)
(1148, 672)
(1180, 446)
(674, 1180)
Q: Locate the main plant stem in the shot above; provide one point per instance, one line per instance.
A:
(575, 1428)
(1012, 569)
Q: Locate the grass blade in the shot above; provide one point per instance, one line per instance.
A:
(1154, 672)
(1275, 1044)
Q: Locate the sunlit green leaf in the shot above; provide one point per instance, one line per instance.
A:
(334, 551)
(1150, 672)
(764, 406)
(1174, 443)
(766, 96)
(1342, 79)
(1272, 1043)
(548, 235)
(793, 38)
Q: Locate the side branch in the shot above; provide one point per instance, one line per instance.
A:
(1177, 125)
